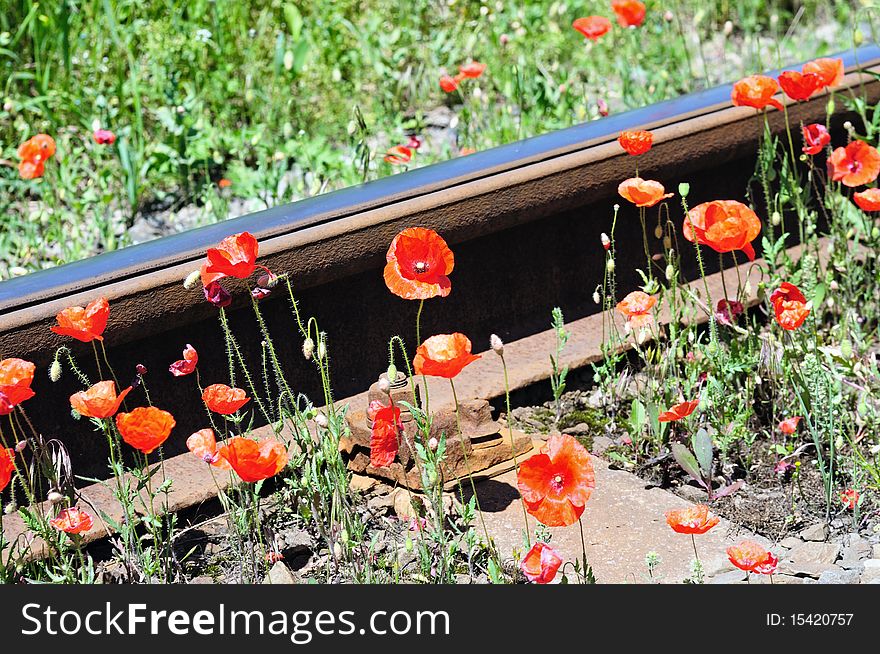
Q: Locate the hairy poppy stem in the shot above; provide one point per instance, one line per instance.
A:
(513, 447)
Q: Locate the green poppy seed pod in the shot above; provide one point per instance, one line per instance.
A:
(775, 218)
(839, 443)
(683, 189)
(391, 373)
(55, 370)
(191, 280)
(658, 231)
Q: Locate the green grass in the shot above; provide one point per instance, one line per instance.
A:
(290, 99)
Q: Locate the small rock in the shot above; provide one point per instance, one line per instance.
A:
(733, 577)
(790, 541)
(839, 576)
(717, 565)
(872, 571)
(810, 559)
(204, 579)
(876, 553)
(362, 483)
(580, 429)
(280, 574)
(692, 493)
(294, 541)
(601, 444)
(816, 533)
(380, 503)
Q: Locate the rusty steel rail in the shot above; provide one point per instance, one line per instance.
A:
(523, 220)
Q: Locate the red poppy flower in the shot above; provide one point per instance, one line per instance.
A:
(830, 71)
(224, 399)
(254, 461)
(235, 256)
(204, 445)
(630, 13)
(856, 164)
(418, 264)
(384, 433)
(868, 200)
(84, 324)
(33, 154)
(679, 411)
(448, 83)
(642, 192)
(799, 86)
(768, 565)
(398, 155)
(556, 484)
(592, 27)
(224, 183)
(755, 91)
(16, 376)
(636, 142)
(72, 521)
(816, 137)
(723, 225)
(466, 151)
(637, 308)
(31, 170)
(692, 520)
(790, 306)
(789, 425)
(850, 498)
(541, 563)
(472, 70)
(104, 137)
(145, 428)
(443, 355)
(99, 401)
(187, 364)
(748, 555)
(7, 466)
(727, 311)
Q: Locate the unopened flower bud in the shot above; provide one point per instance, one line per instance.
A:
(391, 373)
(321, 421)
(606, 242)
(433, 443)
(55, 370)
(775, 218)
(496, 344)
(21, 446)
(54, 497)
(10, 508)
(668, 16)
(269, 280)
(192, 279)
(670, 272)
(504, 39)
(658, 231)
(596, 297)
(384, 386)
(609, 266)
(667, 243)
(308, 348)
(141, 369)
(321, 350)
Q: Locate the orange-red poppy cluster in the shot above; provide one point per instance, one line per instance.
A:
(33, 155)
(471, 70)
(757, 91)
(629, 13)
(723, 225)
(7, 466)
(752, 557)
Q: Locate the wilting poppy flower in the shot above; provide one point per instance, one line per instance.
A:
(472, 70)
(254, 461)
(755, 91)
(145, 428)
(104, 137)
(868, 200)
(99, 401)
(830, 71)
(187, 364)
(398, 155)
(727, 311)
(541, 563)
(224, 399)
(384, 433)
(16, 376)
(816, 137)
(850, 498)
(33, 154)
(784, 468)
(7, 465)
(418, 264)
(630, 13)
(224, 183)
(72, 521)
(636, 142)
(592, 26)
(789, 425)
(799, 86)
(235, 256)
(691, 520)
(642, 192)
(414, 143)
(84, 324)
(203, 444)
(443, 355)
(723, 225)
(679, 411)
(790, 306)
(748, 555)
(856, 164)
(637, 308)
(556, 484)
(448, 83)
(217, 295)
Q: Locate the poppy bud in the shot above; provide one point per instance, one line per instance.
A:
(596, 297)
(191, 280)
(606, 242)
(668, 16)
(847, 126)
(268, 280)
(21, 446)
(391, 373)
(658, 231)
(308, 348)
(55, 370)
(602, 106)
(337, 550)
(321, 421)
(54, 497)
(504, 39)
(670, 272)
(217, 295)
(10, 508)
(610, 265)
(433, 443)
(321, 350)
(496, 344)
(384, 386)
(141, 369)
(775, 218)
(667, 243)
(408, 544)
